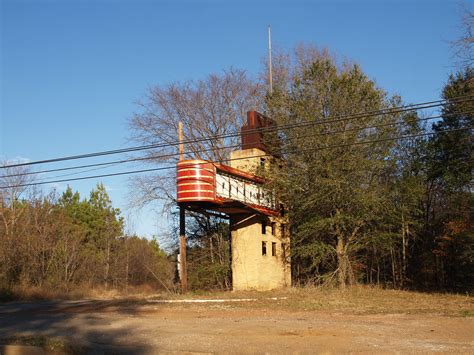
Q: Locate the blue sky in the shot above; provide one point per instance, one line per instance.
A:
(71, 71)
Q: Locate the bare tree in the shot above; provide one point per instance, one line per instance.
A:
(211, 107)
(12, 189)
(463, 46)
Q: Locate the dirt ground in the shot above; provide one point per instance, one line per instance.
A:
(264, 326)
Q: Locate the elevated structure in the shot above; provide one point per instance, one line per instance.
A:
(259, 236)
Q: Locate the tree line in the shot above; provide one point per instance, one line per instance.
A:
(364, 206)
(63, 242)
(394, 212)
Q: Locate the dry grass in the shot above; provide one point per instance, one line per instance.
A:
(369, 300)
(353, 300)
(21, 293)
(51, 345)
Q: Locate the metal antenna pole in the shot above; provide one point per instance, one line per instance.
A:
(270, 74)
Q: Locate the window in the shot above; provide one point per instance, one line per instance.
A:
(264, 227)
(262, 162)
(273, 228)
(274, 249)
(264, 248)
(283, 250)
(282, 210)
(282, 230)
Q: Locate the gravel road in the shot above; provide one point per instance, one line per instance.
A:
(145, 328)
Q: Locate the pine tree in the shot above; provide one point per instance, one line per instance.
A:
(330, 184)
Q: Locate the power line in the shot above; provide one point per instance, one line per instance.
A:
(255, 156)
(116, 162)
(113, 163)
(109, 164)
(394, 110)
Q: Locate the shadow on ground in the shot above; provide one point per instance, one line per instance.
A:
(88, 326)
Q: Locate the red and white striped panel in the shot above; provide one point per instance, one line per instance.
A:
(196, 181)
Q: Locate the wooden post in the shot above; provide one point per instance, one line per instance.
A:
(180, 140)
(183, 272)
(230, 253)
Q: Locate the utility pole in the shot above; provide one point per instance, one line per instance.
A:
(183, 272)
(180, 140)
